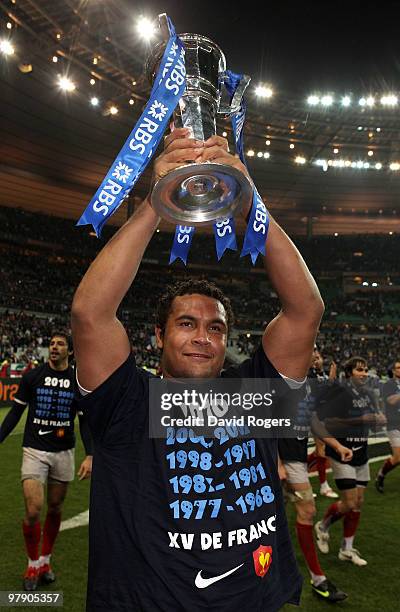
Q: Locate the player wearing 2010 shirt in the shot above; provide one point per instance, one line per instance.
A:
(153, 546)
(349, 412)
(48, 452)
(391, 397)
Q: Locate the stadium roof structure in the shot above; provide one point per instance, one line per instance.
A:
(329, 166)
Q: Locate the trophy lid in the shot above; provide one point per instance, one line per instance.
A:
(191, 41)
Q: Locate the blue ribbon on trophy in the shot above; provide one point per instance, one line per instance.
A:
(258, 223)
(142, 142)
(182, 242)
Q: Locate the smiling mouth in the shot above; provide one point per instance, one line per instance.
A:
(197, 356)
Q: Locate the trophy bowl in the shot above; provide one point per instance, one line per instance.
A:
(199, 193)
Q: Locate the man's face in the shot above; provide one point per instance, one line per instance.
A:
(317, 361)
(359, 374)
(58, 350)
(396, 369)
(194, 340)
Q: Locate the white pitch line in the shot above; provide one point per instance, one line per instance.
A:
(79, 520)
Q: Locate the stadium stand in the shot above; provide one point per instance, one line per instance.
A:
(47, 257)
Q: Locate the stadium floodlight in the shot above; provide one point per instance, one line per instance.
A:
(94, 101)
(360, 164)
(336, 234)
(6, 47)
(66, 84)
(365, 284)
(370, 101)
(378, 166)
(113, 110)
(266, 155)
(313, 100)
(267, 142)
(250, 153)
(322, 163)
(346, 101)
(394, 166)
(336, 150)
(145, 28)
(370, 153)
(366, 165)
(300, 160)
(327, 100)
(260, 154)
(263, 91)
(362, 101)
(375, 284)
(338, 163)
(389, 100)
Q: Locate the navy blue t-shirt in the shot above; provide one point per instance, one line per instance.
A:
(295, 448)
(219, 547)
(392, 387)
(52, 408)
(347, 403)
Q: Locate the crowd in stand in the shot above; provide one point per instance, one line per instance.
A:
(47, 256)
(345, 253)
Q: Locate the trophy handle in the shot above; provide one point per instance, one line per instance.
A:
(164, 26)
(236, 102)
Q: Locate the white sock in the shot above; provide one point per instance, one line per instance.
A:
(317, 579)
(44, 560)
(33, 563)
(325, 485)
(347, 543)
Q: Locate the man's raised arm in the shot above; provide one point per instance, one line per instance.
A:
(289, 338)
(101, 344)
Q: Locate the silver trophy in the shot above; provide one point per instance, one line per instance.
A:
(199, 193)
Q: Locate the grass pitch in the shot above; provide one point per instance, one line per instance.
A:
(371, 589)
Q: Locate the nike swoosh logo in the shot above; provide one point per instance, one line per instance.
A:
(203, 583)
(43, 433)
(357, 448)
(323, 593)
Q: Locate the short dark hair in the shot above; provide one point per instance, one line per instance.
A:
(188, 287)
(352, 363)
(63, 334)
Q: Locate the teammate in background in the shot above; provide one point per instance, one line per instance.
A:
(391, 397)
(293, 457)
(48, 452)
(349, 410)
(145, 548)
(317, 459)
